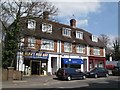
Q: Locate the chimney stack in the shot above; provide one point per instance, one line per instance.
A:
(73, 23)
(46, 15)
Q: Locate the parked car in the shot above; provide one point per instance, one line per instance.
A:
(116, 70)
(98, 72)
(70, 73)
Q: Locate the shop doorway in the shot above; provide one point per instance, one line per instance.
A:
(35, 68)
(85, 65)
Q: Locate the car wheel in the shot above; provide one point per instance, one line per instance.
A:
(106, 75)
(68, 78)
(96, 75)
(84, 77)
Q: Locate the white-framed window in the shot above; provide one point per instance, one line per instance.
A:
(79, 34)
(66, 32)
(47, 44)
(96, 51)
(47, 28)
(31, 42)
(31, 24)
(80, 49)
(94, 38)
(67, 47)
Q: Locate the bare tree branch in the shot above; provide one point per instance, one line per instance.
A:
(32, 8)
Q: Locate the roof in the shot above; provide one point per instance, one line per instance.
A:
(57, 32)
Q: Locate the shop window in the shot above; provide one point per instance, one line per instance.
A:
(101, 64)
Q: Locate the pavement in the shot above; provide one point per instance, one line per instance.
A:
(27, 80)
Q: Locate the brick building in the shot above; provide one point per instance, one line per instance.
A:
(50, 45)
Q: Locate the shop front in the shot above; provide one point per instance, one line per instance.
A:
(96, 62)
(35, 63)
(71, 62)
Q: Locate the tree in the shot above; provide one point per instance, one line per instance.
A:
(105, 39)
(116, 50)
(11, 13)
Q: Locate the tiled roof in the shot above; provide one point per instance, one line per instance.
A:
(57, 33)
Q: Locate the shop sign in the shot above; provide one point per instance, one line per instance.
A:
(36, 55)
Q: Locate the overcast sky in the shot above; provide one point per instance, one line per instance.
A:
(95, 16)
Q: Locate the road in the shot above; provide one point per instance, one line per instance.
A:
(110, 82)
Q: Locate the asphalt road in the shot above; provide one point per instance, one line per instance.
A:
(110, 82)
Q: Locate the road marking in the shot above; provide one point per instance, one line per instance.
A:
(20, 81)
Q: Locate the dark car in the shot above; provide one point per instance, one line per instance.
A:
(70, 73)
(98, 72)
(116, 71)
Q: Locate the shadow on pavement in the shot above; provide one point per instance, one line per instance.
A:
(111, 85)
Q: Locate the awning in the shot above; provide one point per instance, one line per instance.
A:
(72, 61)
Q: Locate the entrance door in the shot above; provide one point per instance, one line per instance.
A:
(85, 65)
(35, 70)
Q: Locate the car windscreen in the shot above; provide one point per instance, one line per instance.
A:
(93, 70)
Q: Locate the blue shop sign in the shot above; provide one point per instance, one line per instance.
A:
(72, 61)
(36, 55)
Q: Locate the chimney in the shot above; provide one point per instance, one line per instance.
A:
(73, 23)
(46, 15)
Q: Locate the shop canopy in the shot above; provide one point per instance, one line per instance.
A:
(72, 61)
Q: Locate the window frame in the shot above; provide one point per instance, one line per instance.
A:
(66, 32)
(45, 27)
(79, 34)
(67, 47)
(33, 26)
(80, 48)
(94, 38)
(96, 51)
(31, 43)
(48, 46)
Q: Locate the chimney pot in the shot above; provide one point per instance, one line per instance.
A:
(45, 14)
(73, 23)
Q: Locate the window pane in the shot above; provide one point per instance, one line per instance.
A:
(80, 49)
(47, 44)
(31, 24)
(67, 47)
(96, 51)
(47, 28)
(67, 32)
(79, 34)
(31, 42)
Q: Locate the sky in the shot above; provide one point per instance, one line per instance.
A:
(96, 16)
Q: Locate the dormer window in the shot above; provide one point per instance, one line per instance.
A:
(79, 34)
(66, 32)
(94, 38)
(31, 24)
(47, 28)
